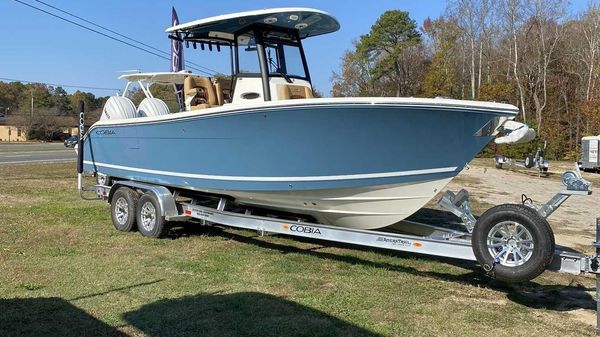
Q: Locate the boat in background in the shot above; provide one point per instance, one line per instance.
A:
(260, 138)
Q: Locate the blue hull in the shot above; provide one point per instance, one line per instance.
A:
(306, 147)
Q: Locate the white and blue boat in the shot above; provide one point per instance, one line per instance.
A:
(261, 139)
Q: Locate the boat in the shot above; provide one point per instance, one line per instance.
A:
(260, 138)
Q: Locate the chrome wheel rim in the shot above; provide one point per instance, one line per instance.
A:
(148, 216)
(510, 244)
(122, 211)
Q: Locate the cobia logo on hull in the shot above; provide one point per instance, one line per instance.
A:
(105, 132)
(302, 229)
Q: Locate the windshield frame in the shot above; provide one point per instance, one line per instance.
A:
(261, 37)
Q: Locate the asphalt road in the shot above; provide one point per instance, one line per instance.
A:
(35, 153)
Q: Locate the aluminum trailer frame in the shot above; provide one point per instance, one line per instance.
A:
(440, 240)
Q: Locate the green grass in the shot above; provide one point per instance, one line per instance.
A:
(6, 147)
(65, 271)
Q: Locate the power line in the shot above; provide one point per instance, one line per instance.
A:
(99, 26)
(59, 85)
(103, 34)
(118, 34)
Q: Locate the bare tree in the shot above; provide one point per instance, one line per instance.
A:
(512, 15)
(590, 29)
(544, 26)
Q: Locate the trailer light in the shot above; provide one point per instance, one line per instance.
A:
(102, 179)
(188, 212)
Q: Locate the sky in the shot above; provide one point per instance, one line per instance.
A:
(40, 48)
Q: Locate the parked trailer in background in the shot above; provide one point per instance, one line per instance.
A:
(590, 159)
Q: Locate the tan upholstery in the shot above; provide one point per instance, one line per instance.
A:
(199, 93)
(199, 106)
(287, 91)
(223, 89)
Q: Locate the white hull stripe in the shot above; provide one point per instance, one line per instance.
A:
(276, 179)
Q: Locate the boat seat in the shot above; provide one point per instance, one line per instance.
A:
(152, 107)
(223, 89)
(289, 91)
(199, 93)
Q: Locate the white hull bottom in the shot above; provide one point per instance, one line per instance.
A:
(364, 207)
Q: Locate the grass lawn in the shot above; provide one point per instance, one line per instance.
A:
(6, 147)
(64, 271)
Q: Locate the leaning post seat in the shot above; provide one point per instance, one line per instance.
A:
(288, 91)
(223, 89)
(199, 93)
(118, 107)
(152, 107)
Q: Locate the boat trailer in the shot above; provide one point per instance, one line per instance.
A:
(159, 205)
(535, 160)
(437, 240)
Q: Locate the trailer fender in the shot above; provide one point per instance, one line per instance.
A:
(168, 207)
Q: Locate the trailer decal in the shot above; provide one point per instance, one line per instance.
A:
(395, 242)
(302, 229)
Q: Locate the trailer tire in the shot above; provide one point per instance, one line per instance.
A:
(522, 234)
(529, 161)
(150, 221)
(123, 209)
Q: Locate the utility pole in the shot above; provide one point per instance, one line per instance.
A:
(31, 121)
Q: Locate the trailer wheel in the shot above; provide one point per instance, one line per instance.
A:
(150, 222)
(122, 209)
(529, 161)
(513, 243)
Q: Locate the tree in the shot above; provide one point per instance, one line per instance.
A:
(393, 34)
(60, 100)
(87, 98)
(11, 95)
(441, 78)
(512, 16)
(589, 52)
(544, 32)
(355, 78)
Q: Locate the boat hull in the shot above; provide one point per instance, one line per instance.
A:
(353, 164)
(360, 207)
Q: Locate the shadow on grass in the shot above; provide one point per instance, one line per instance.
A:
(238, 314)
(531, 294)
(50, 316)
(115, 290)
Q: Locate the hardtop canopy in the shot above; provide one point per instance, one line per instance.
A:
(158, 77)
(307, 21)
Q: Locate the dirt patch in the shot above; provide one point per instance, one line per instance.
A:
(585, 316)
